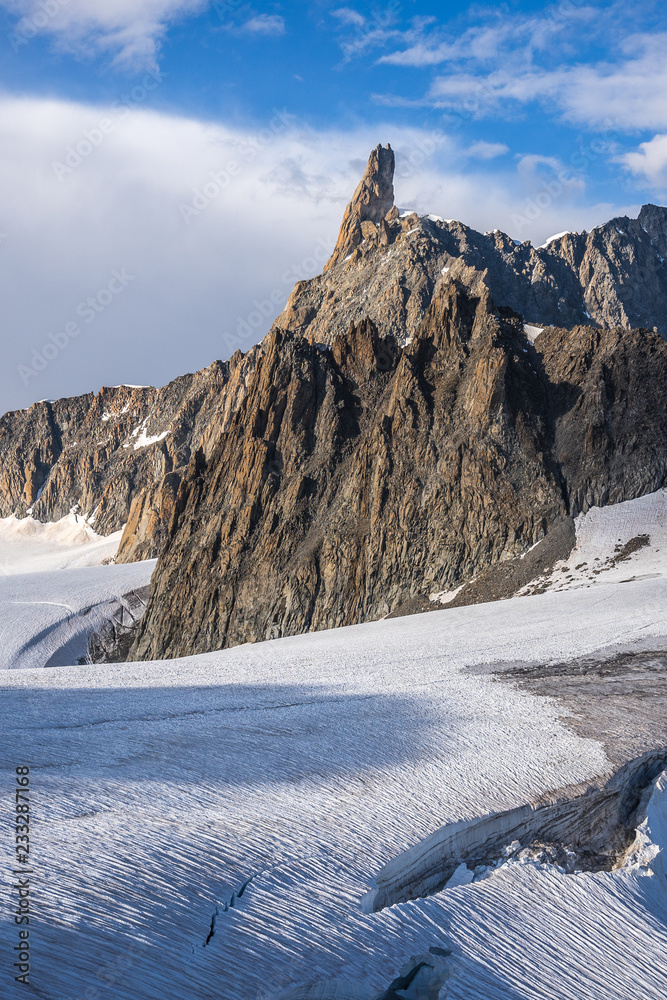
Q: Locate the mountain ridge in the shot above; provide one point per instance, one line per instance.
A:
(399, 291)
(356, 478)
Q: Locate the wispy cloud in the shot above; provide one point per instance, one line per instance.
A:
(627, 94)
(575, 61)
(264, 24)
(359, 34)
(483, 150)
(430, 44)
(348, 16)
(130, 31)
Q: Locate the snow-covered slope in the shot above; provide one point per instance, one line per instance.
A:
(55, 590)
(615, 544)
(46, 618)
(208, 827)
(30, 546)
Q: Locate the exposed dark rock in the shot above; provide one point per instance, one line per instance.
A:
(115, 456)
(506, 578)
(112, 641)
(352, 480)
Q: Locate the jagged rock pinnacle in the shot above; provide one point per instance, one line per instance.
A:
(371, 202)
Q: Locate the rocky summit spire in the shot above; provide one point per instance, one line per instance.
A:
(372, 200)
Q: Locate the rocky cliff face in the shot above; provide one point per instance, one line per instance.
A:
(372, 201)
(353, 479)
(98, 454)
(388, 266)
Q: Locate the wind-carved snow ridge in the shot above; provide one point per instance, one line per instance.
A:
(645, 857)
(589, 832)
(552, 239)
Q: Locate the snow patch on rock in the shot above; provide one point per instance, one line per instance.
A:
(532, 332)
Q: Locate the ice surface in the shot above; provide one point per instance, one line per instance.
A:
(209, 826)
(45, 618)
(306, 764)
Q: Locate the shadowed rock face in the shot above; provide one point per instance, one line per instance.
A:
(353, 479)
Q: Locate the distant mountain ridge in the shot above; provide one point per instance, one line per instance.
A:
(98, 454)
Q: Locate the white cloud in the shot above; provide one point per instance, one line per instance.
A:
(348, 16)
(263, 210)
(529, 165)
(265, 24)
(649, 161)
(425, 44)
(627, 94)
(423, 54)
(129, 30)
(483, 150)
(359, 34)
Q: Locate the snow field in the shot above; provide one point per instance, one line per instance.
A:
(309, 763)
(31, 546)
(617, 544)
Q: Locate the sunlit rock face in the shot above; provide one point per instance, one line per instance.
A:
(353, 480)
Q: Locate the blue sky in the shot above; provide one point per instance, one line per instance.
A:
(529, 117)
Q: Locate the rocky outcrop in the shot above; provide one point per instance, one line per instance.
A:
(372, 201)
(387, 266)
(393, 435)
(97, 454)
(355, 478)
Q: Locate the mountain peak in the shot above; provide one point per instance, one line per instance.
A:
(371, 202)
